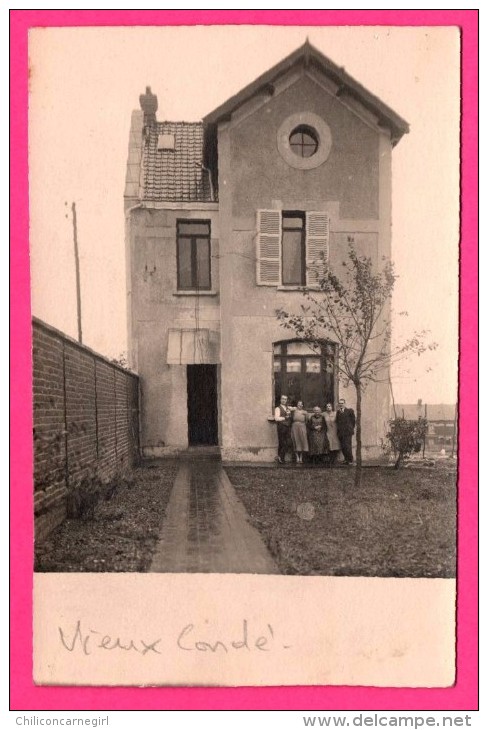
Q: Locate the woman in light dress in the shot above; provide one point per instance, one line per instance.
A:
(334, 444)
(299, 431)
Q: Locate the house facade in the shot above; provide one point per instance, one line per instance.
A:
(226, 221)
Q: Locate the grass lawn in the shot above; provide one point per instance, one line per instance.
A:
(315, 522)
(123, 534)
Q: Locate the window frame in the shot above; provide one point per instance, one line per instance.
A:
(193, 254)
(315, 246)
(303, 246)
(299, 147)
(283, 357)
(321, 130)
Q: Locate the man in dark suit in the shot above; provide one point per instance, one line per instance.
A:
(346, 423)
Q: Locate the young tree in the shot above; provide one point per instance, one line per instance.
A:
(406, 437)
(354, 310)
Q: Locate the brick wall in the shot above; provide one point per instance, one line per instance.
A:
(86, 418)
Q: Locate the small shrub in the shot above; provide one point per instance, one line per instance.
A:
(406, 437)
(121, 480)
(83, 498)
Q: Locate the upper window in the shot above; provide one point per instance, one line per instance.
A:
(193, 255)
(292, 247)
(304, 141)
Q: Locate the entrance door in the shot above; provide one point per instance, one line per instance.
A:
(202, 405)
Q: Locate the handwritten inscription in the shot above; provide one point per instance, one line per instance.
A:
(91, 639)
(190, 638)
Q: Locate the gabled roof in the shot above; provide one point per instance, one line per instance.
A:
(175, 174)
(308, 56)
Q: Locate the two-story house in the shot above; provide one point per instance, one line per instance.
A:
(224, 220)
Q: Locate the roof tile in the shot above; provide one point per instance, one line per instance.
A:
(175, 175)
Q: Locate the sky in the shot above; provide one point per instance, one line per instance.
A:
(84, 84)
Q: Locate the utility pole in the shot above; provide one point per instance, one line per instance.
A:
(77, 268)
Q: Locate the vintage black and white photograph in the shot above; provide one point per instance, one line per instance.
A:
(244, 266)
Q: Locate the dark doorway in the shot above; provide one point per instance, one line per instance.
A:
(202, 405)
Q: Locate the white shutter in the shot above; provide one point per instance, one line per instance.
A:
(317, 245)
(268, 248)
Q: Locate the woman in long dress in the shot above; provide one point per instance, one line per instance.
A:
(318, 444)
(334, 443)
(299, 431)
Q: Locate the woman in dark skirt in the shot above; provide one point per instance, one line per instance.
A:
(318, 444)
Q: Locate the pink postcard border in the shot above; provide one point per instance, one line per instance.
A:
(24, 694)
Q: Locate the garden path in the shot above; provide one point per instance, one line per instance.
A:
(206, 527)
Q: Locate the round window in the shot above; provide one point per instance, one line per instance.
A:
(304, 141)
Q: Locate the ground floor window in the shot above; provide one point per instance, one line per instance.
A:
(305, 371)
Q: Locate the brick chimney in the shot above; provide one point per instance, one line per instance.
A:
(149, 105)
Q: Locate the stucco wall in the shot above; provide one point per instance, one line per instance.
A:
(350, 174)
(155, 306)
(353, 186)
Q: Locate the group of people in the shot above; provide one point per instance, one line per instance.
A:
(320, 434)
